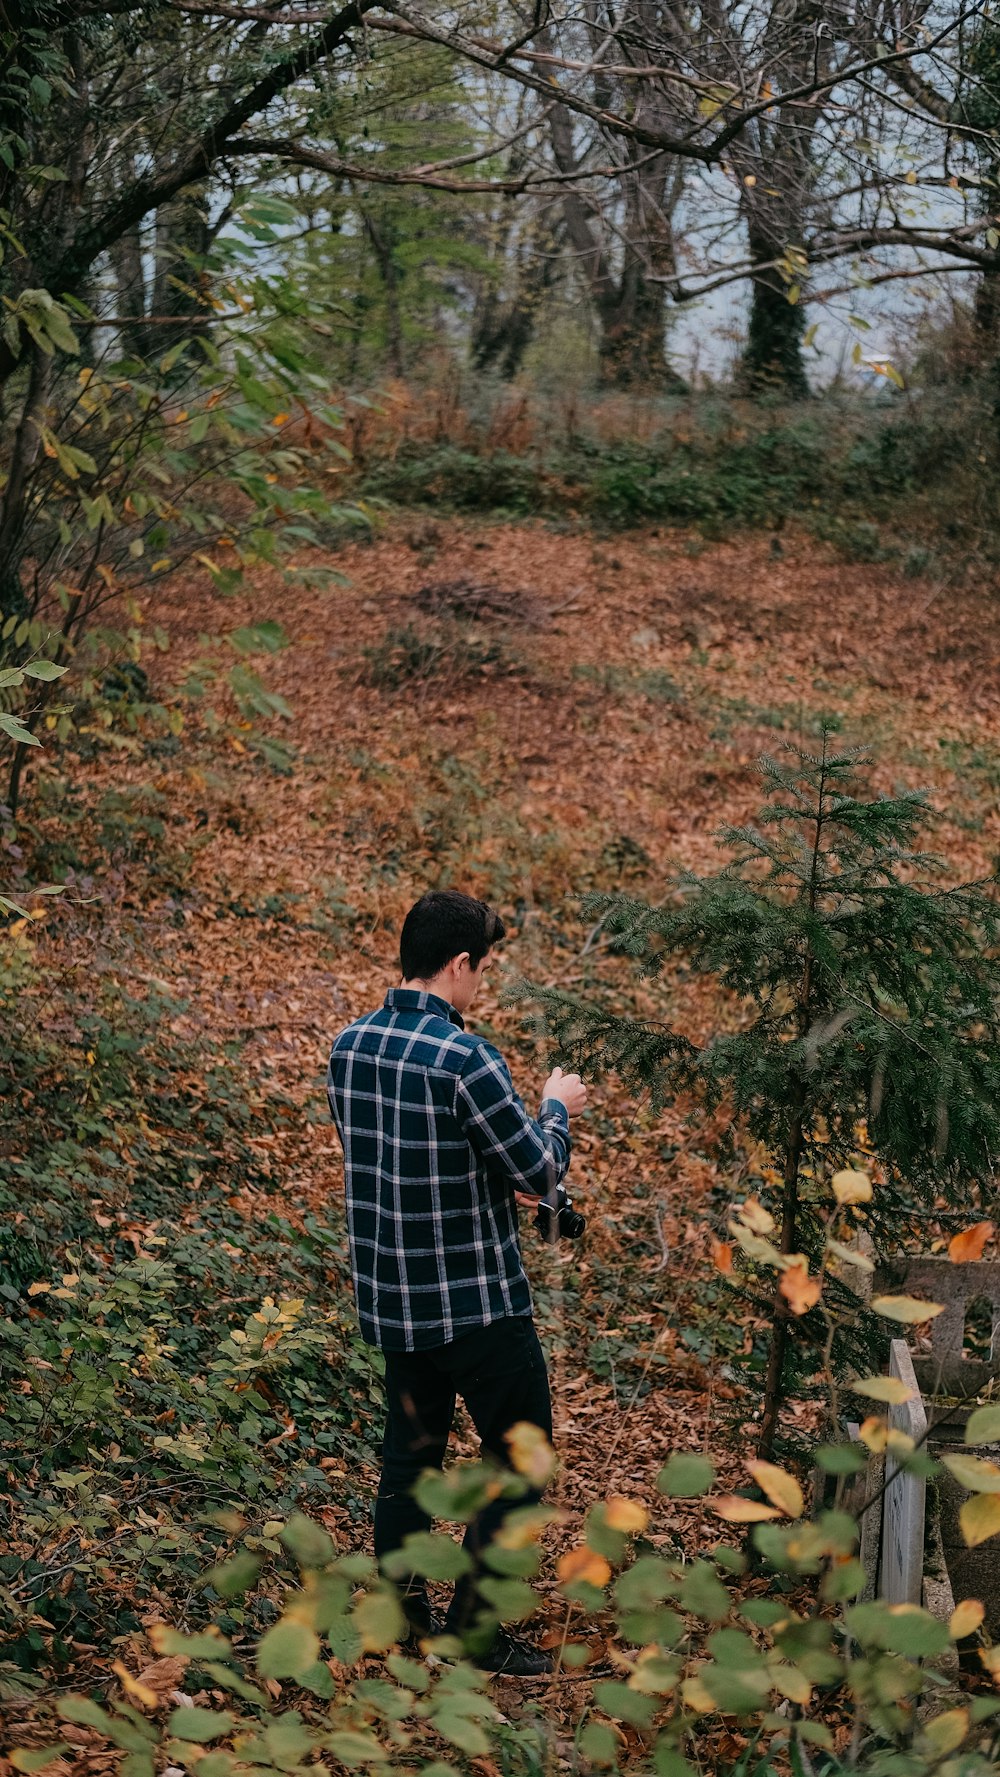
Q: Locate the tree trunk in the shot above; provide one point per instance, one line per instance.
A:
(504, 331)
(13, 513)
(179, 283)
(380, 237)
(633, 331)
(772, 360)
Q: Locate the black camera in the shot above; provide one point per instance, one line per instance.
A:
(556, 1219)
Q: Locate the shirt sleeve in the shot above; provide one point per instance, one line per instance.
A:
(530, 1153)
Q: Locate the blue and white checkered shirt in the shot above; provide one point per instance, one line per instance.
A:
(436, 1142)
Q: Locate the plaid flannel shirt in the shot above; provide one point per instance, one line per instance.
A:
(436, 1141)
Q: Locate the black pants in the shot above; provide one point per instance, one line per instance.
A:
(499, 1371)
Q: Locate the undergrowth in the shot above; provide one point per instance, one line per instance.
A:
(908, 478)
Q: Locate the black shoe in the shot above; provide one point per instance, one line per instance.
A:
(418, 1632)
(515, 1657)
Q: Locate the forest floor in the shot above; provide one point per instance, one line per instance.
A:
(526, 713)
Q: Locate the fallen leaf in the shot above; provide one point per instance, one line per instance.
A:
(134, 1688)
(967, 1247)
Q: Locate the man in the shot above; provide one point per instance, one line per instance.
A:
(437, 1145)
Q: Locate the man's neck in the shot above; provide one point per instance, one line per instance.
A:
(440, 989)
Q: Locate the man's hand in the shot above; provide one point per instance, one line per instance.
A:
(568, 1088)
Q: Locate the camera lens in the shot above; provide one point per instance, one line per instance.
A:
(571, 1224)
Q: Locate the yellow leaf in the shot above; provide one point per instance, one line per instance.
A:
(850, 1255)
(800, 1291)
(755, 1247)
(973, 1472)
(883, 1388)
(756, 1217)
(965, 1248)
(875, 1433)
(530, 1452)
(280, 419)
(946, 1732)
(851, 1187)
(737, 1510)
(782, 1490)
(906, 1308)
(697, 1698)
(583, 1564)
(625, 1514)
(750, 179)
(965, 1618)
(791, 1683)
(979, 1518)
(990, 1657)
(133, 1688)
(39, 1289)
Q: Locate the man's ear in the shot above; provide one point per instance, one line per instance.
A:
(457, 961)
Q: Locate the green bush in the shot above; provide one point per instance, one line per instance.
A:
(155, 1345)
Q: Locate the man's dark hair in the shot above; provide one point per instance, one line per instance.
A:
(440, 926)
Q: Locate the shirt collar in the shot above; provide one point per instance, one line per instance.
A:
(409, 999)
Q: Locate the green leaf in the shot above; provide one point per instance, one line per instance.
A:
(90, 1715)
(17, 731)
(35, 1758)
(840, 1459)
(288, 1740)
(983, 1426)
(354, 1749)
(234, 1681)
(287, 1649)
(617, 1700)
(318, 1679)
(686, 1475)
(668, 1762)
(703, 1593)
(459, 1494)
(737, 1691)
(464, 1733)
(645, 1584)
(513, 1600)
(267, 637)
(599, 1744)
(311, 1545)
(379, 1620)
(43, 669)
(200, 1725)
(434, 1557)
(764, 1612)
(231, 1578)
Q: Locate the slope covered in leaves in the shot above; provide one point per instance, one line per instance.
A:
(526, 713)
